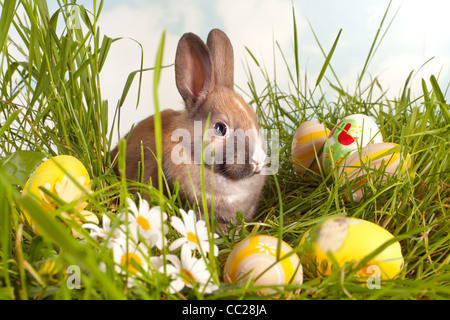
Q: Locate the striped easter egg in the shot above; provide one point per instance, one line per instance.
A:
(255, 257)
(306, 144)
(383, 157)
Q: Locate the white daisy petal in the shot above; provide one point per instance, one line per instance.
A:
(190, 221)
(92, 226)
(177, 243)
(178, 225)
(201, 224)
(106, 221)
(184, 214)
(157, 262)
(174, 260)
(176, 285)
(144, 207)
(156, 211)
(132, 206)
(186, 257)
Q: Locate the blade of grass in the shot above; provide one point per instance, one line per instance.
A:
(440, 98)
(6, 201)
(157, 116)
(328, 59)
(8, 10)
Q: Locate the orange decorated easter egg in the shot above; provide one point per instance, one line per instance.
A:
(378, 158)
(306, 144)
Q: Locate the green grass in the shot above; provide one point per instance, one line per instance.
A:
(51, 104)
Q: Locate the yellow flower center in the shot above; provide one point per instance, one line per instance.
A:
(192, 237)
(143, 223)
(187, 276)
(126, 259)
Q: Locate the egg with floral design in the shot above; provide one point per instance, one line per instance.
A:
(258, 258)
(306, 145)
(352, 240)
(350, 134)
(57, 177)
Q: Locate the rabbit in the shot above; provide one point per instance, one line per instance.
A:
(236, 150)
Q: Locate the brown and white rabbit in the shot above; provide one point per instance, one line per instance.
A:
(205, 80)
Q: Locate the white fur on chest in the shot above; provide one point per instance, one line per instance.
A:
(232, 191)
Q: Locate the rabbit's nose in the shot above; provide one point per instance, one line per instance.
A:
(259, 160)
(257, 167)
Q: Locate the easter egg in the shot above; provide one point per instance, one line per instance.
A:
(52, 175)
(306, 144)
(384, 158)
(351, 133)
(351, 240)
(255, 257)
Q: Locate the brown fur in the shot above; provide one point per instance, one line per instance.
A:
(204, 78)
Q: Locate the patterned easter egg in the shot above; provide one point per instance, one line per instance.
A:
(385, 158)
(351, 133)
(53, 176)
(351, 240)
(306, 144)
(255, 257)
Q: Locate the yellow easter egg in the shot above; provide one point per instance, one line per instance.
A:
(255, 257)
(385, 158)
(351, 240)
(53, 176)
(306, 144)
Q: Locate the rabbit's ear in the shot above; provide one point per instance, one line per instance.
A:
(193, 69)
(223, 58)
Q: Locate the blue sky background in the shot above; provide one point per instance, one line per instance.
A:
(419, 32)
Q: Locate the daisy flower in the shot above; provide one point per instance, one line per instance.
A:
(105, 232)
(148, 222)
(188, 272)
(194, 233)
(129, 257)
(267, 248)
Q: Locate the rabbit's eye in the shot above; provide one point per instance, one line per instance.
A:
(220, 129)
